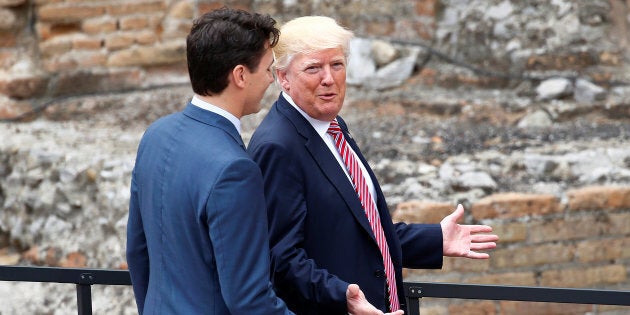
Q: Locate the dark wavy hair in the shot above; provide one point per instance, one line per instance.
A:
(222, 39)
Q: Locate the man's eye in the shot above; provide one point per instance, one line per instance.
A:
(311, 69)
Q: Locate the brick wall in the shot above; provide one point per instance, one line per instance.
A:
(581, 240)
(55, 48)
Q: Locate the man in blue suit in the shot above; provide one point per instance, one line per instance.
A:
(320, 190)
(197, 236)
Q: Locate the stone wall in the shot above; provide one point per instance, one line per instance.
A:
(517, 109)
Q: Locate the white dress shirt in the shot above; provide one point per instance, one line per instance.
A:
(217, 110)
(321, 127)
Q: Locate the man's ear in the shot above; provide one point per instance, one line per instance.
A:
(282, 79)
(239, 75)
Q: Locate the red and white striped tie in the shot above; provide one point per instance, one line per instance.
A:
(361, 187)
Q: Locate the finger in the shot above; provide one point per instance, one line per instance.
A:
(475, 255)
(483, 246)
(478, 228)
(477, 238)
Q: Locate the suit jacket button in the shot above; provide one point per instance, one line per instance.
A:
(379, 273)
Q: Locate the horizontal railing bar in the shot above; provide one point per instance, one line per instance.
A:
(516, 293)
(65, 275)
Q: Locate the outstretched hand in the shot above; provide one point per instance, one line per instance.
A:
(466, 240)
(358, 305)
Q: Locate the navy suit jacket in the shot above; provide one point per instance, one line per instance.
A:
(197, 236)
(321, 240)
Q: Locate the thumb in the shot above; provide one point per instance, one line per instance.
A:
(458, 214)
(353, 291)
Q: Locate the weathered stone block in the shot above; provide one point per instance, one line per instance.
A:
(81, 82)
(21, 87)
(422, 212)
(11, 109)
(599, 198)
(526, 256)
(508, 278)
(589, 251)
(529, 308)
(514, 205)
(510, 232)
(472, 308)
(149, 55)
(584, 277)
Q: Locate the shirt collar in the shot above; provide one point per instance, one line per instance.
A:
(217, 110)
(320, 126)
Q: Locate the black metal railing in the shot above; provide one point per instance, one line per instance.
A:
(414, 291)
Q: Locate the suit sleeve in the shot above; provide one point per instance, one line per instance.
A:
(286, 211)
(421, 245)
(239, 234)
(137, 254)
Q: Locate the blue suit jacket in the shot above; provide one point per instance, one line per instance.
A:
(320, 237)
(197, 238)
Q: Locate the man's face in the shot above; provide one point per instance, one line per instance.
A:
(317, 82)
(260, 80)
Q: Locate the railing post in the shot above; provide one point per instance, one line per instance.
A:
(84, 294)
(413, 294)
(84, 299)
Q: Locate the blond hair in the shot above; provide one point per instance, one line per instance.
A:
(309, 34)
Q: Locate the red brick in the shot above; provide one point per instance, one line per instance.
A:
(118, 41)
(599, 198)
(515, 205)
(182, 10)
(99, 25)
(87, 43)
(69, 12)
(145, 37)
(137, 7)
(133, 22)
(87, 59)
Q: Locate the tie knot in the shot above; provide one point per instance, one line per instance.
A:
(334, 128)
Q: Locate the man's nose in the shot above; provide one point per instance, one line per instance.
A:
(327, 77)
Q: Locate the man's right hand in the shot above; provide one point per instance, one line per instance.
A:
(358, 305)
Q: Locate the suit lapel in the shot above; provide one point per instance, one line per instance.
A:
(326, 162)
(213, 119)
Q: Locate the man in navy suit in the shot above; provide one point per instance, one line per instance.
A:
(197, 236)
(321, 238)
